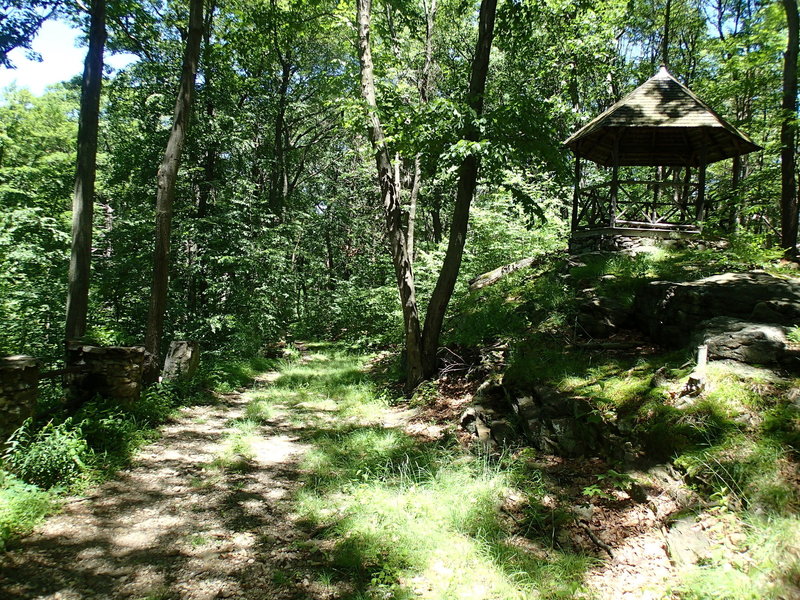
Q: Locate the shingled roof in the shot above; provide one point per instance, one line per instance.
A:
(660, 123)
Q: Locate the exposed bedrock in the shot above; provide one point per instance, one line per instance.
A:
(671, 313)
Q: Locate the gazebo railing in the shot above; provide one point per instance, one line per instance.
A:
(667, 204)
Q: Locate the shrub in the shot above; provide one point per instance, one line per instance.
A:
(155, 405)
(108, 430)
(55, 455)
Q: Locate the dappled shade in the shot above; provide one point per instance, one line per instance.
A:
(660, 123)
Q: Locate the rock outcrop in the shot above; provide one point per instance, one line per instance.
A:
(671, 312)
(545, 419)
(743, 341)
(183, 359)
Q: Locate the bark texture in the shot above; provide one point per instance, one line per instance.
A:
(165, 195)
(422, 346)
(83, 199)
(789, 213)
(390, 198)
(467, 180)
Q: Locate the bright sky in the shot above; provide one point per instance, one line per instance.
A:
(61, 59)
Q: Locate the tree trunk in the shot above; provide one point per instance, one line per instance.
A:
(199, 281)
(789, 213)
(83, 199)
(424, 82)
(436, 219)
(412, 207)
(665, 41)
(165, 195)
(391, 201)
(278, 184)
(467, 180)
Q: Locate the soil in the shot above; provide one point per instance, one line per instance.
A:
(170, 526)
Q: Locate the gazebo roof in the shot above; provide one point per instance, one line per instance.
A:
(661, 122)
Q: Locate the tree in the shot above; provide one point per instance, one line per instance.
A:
(20, 21)
(422, 343)
(165, 196)
(83, 199)
(37, 177)
(789, 212)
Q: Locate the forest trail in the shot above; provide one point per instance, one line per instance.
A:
(309, 484)
(198, 516)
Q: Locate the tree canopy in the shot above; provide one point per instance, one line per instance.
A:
(277, 226)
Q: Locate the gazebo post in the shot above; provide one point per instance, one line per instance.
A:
(614, 182)
(576, 194)
(701, 190)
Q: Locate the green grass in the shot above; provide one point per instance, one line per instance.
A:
(373, 488)
(765, 565)
(401, 518)
(22, 506)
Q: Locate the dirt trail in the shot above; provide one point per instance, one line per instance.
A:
(170, 526)
(179, 524)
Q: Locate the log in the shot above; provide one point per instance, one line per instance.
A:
(481, 281)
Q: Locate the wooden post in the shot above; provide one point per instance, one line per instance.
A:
(701, 192)
(576, 194)
(614, 183)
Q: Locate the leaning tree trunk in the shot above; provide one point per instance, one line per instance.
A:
(467, 180)
(165, 195)
(83, 199)
(789, 212)
(390, 198)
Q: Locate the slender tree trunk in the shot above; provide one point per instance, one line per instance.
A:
(789, 212)
(467, 180)
(199, 281)
(83, 199)
(278, 184)
(665, 41)
(736, 174)
(436, 219)
(424, 82)
(412, 206)
(165, 195)
(391, 201)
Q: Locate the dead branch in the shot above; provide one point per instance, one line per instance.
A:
(481, 281)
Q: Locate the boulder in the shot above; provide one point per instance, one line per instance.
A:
(559, 424)
(688, 543)
(743, 341)
(183, 358)
(670, 312)
(600, 316)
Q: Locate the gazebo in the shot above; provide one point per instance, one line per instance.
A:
(659, 124)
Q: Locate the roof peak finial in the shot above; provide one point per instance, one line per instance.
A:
(663, 71)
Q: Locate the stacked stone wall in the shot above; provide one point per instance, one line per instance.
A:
(113, 372)
(19, 384)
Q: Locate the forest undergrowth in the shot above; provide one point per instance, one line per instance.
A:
(391, 503)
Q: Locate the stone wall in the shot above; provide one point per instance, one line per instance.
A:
(19, 383)
(605, 241)
(112, 372)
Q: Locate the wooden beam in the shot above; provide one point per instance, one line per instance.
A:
(614, 181)
(576, 193)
